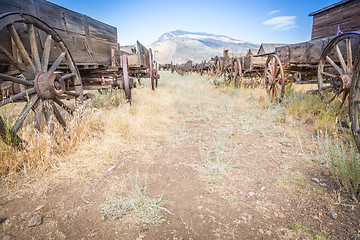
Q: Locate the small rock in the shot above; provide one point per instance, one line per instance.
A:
(315, 180)
(39, 207)
(111, 168)
(268, 232)
(200, 207)
(243, 218)
(2, 219)
(103, 218)
(332, 214)
(35, 221)
(262, 188)
(251, 194)
(8, 237)
(261, 231)
(75, 213)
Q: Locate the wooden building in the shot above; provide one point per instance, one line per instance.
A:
(344, 15)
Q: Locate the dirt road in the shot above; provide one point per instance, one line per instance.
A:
(188, 161)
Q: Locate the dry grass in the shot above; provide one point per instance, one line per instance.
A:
(132, 197)
(100, 134)
(42, 149)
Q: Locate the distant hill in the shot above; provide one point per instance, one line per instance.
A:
(180, 46)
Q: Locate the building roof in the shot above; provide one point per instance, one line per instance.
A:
(329, 7)
(266, 48)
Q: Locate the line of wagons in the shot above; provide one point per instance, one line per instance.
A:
(50, 57)
(331, 60)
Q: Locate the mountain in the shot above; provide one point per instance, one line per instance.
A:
(180, 46)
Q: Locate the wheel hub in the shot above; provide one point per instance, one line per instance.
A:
(49, 86)
(342, 82)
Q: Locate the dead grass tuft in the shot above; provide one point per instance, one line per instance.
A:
(133, 198)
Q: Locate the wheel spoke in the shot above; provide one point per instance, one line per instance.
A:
(349, 55)
(335, 95)
(337, 68)
(6, 77)
(68, 76)
(30, 104)
(341, 58)
(24, 54)
(328, 74)
(72, 94)
(38, 115)
(11, 59)
(63, 105)
(46, 53)
(34, 48)
(17, 96)
(343, 99)
(58, 115)
(56, 63)
(270, 68)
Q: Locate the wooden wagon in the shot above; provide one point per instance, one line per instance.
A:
(48, 56)
(141, 63)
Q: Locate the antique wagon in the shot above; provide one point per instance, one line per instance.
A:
(48, 56)
(141, 63)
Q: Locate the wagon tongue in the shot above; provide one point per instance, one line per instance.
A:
(49, 86)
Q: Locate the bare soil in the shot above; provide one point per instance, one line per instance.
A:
(227, 165)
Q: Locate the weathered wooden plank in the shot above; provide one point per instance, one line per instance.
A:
(16, 6)
(102, 30)
(134, 60)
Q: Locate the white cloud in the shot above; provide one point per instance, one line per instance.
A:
(273, 12)
(282, 23)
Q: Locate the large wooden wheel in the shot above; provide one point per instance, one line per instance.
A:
(274, 78)
(126, 81)
(151, 63)
(238, 73)
(354, 103)
(156, 74)
(335, 68)
(39, 80)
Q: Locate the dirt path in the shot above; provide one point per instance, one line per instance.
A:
(185, 162)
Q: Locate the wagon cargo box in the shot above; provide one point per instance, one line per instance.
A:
(89, 41)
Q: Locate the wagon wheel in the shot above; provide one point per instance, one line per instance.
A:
(274, 78)
(219, 69)
(156, 74)
(354, 102)
(335, 69)
(126, 81)
(40, 71)
(238, 73)
(151, 63)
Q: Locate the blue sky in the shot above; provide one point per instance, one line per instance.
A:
(278, 21)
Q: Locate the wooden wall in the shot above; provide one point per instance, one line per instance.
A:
(346, 16)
